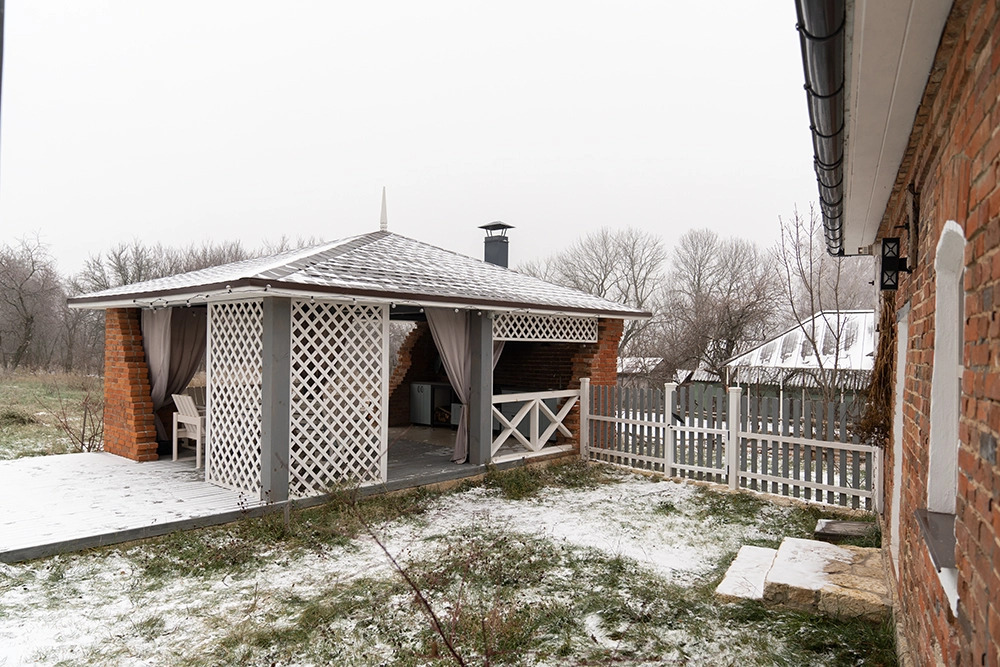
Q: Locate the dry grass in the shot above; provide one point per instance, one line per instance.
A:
(36, 409)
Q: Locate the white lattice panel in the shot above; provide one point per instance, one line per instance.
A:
(234, 394)
(337, 393)
(544, 328)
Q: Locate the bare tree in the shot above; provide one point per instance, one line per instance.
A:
(817, 289)
(723, 297)
(30, 296)
(623, 265)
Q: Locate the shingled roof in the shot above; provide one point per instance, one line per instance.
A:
(379, 265)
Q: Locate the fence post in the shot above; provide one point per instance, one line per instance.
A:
(585, 418)
(668, 434)
(733, 439)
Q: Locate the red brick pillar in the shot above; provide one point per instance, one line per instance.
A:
(129, 429)
(599, 362)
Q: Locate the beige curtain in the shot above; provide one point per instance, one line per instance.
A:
(174, 341)
(451, 334)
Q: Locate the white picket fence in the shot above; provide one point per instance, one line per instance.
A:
(790, 447)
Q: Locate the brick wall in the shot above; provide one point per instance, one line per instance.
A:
(129, 430)
(416, 362)
(953, 160)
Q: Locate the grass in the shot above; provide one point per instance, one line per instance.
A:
(234, 549)
(315, 590)
(32, 403)
(526, 482)
(507, 598)
(512, 599)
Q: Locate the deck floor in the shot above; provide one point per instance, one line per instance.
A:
(85, 500)
(57, 504)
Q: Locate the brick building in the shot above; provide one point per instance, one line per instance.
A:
(903, 99)
(296, 347)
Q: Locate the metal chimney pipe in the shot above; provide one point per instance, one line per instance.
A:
(495, 243)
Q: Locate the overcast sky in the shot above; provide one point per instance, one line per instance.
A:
(185, 120)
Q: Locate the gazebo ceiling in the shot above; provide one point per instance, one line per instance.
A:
(379, 266)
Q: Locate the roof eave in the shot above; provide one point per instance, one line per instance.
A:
(862, 110)
(891, 50)
(256, 287)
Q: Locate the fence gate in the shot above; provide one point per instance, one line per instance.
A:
(790, 447)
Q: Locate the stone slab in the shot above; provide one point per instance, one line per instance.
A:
(818, 577)
(832, 530)
(744, 579)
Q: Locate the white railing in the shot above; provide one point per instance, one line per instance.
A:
(534, 409)
(786, 447)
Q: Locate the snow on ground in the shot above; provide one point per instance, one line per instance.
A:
(80, 605)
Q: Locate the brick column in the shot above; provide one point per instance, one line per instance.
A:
(599, 362)
(129, 429)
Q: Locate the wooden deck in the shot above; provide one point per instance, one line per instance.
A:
(54, 504)
(71, 502)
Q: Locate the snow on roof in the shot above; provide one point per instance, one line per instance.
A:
(638, 365)
(846, 340)
(379, 265)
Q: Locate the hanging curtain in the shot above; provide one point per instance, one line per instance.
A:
(453, 340)
(174, 341)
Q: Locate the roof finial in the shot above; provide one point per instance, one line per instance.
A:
(384, 221)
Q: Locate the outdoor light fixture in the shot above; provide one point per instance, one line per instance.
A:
(891, 265)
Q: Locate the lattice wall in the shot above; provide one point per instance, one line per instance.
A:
(234, 394)
(337, 396)
(544, 328)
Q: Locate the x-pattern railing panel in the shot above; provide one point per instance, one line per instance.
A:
(534, 408)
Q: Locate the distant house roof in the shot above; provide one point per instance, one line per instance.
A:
(379, 265)
(638, 365)
(790, 355)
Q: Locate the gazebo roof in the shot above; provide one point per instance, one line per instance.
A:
(379, 265)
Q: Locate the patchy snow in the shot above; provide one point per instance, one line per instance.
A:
(802, 563)
(99, 607)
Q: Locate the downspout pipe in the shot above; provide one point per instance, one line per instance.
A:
(822, 36)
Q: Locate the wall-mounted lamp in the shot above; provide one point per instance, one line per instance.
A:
(891, 265)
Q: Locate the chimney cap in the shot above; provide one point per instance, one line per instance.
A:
(497, 226)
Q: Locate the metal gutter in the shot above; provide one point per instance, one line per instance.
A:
(822, 35)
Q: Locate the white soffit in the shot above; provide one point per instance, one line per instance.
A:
(891, 47)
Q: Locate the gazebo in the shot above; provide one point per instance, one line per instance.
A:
(296, 352)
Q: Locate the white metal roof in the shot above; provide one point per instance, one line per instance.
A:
(791, 351)
(638, 365)
(379, 265)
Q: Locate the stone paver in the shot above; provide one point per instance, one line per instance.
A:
(811, 576)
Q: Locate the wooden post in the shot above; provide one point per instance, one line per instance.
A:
(733, 439)
(481, 394)
(876, 477)
(276, 341)
(668, 436)
(584, 418)
(384, 426)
